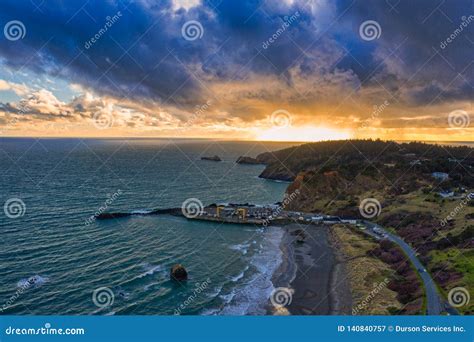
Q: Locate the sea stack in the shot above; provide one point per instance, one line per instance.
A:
(178, 272)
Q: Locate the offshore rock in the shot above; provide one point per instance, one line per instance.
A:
(178, 272)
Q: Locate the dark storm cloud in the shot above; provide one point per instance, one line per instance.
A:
(144, 56)
(413, 48)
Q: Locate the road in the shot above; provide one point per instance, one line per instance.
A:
(435, 305)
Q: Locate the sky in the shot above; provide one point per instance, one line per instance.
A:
(297, 70)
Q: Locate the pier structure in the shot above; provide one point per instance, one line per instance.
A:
(252, 214)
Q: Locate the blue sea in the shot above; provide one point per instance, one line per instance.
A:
(56, 260)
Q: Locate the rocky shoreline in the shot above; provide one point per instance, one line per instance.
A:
(313, 273)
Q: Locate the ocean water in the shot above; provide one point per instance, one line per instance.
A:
(55, 260)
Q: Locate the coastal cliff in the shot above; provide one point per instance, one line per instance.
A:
(266, 158)
(418, 188)
(351, 157)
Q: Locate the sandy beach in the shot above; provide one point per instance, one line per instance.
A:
(312, 269)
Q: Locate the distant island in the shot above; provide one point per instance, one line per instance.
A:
(213, 158)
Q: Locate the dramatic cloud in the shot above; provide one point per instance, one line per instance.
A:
(19, 89)
(134, 61)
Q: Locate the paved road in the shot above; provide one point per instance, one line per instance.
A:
(435, 305)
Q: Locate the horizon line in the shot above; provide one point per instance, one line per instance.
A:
(226, 139)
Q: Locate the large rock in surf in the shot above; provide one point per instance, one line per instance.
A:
(178, 272)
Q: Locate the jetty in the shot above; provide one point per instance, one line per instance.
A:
(250, 214)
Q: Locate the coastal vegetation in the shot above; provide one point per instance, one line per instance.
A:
(355, 249)
(383, 281)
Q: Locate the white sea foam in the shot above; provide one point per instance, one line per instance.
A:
(141, 212)
(243, 247)
(217, 290)
(35, 281)
(150, 270)
(228, 297)
(148, 286)
(240, 275)
(252, 298)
